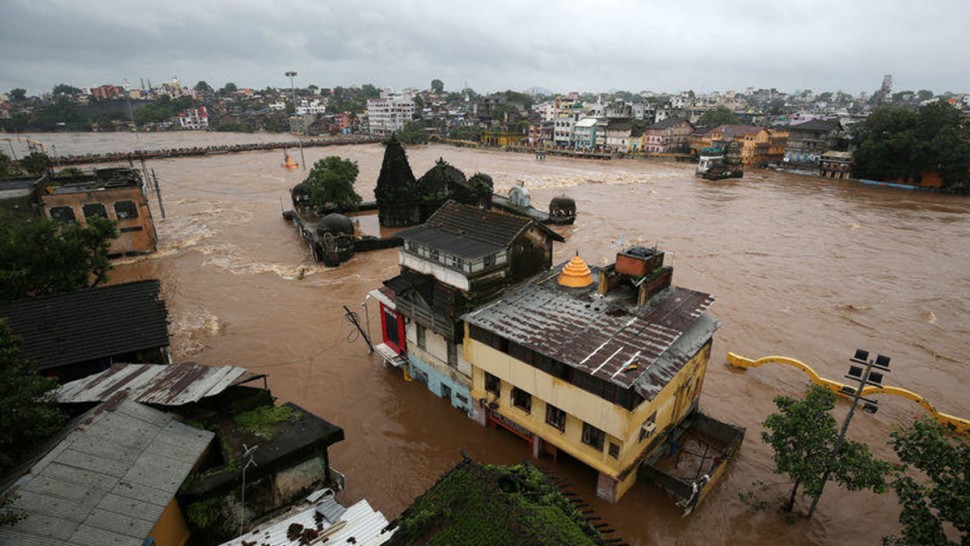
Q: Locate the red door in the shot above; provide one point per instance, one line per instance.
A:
(392, 329)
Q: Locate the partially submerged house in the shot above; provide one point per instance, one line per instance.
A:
(75, 335)
(110, 478)
(603, 364)
(117, 194)
(461, 257)
(287, 445)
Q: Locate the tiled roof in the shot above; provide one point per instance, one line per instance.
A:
(166, 385)
(470, 232)
(592, 333)
(108, 481)
(735, 130)
(94, 323)
(815, 125)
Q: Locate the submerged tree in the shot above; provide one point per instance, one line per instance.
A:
(40, 257)
(396, 181)
(330, 184)
(938, 499)
(803, 436)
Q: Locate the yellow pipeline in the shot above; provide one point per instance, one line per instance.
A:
(951, 422)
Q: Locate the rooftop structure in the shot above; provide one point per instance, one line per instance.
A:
(77, 334)
(172, 385)
(111, 479)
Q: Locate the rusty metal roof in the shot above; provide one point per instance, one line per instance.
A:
(164, 385)
(601, 336)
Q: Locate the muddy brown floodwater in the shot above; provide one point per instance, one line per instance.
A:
(801, 267)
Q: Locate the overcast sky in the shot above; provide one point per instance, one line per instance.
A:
(566, 45)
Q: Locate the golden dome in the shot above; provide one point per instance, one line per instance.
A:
(576, 274)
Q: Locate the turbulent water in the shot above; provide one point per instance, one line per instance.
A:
(801, 267)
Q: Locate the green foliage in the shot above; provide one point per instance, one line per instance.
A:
(18, 94)
(437, 86)
(924, 94)
(41, 257)
(263, 420)
(64, 89)
(803, 436)
(331, 184)
(940, 497)
(30, 414)
(203, 87)
(162, 109)
(722, 115)
(396, 180)
(36, 163)
(7, 167)
(9, 516)
(413, 133)
(352, 99)
(493, 505)
(467, 132)
(901, 143)
(228, 88)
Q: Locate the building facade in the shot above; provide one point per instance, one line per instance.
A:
(459, 259)
(672, 135)
(389, 114)
(194, 118)
(601, 364)
(809, 140)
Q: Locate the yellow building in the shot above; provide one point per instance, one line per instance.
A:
(504, 139)
(602, 364)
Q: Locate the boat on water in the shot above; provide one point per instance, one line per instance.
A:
(717, 163)
(288, 162)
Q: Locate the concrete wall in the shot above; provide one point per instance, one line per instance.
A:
(622, 426)
(430, 365)
(136, 235)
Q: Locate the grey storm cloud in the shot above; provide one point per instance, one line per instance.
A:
(567, 45)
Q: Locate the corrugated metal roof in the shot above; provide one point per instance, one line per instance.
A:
(598, 335)
(166, 385)
(108, 480)
(95, 323)
(360, 522)
(467, 231)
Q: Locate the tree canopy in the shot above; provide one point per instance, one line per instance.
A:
(65, 89)
(228, 88)
(722, 115)
(933, 484)
(413, 133)
(202, 87)
(36, 163)
(897, 143)
(29, 414)
(18, 94)
(40, 257)
(803, 437)
(330, 184)
(437, 86)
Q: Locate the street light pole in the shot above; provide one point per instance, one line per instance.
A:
(864, 376)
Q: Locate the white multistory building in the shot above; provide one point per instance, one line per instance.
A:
(194, 118)
(389, 114)
(311, 107)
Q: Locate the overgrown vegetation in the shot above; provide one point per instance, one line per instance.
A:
(263, 420)
(493, 505)
(898, 143)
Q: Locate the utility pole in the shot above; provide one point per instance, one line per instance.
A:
(247, 454)
(158, 195)
(865, 376)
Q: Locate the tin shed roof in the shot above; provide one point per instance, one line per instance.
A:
(94, 323)
(166, 385)
(109, 479)
(599, 336)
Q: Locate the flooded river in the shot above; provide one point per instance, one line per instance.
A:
(801, 267)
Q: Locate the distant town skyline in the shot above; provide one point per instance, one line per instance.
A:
(823, 45)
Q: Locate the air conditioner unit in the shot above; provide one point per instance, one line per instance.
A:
(648, 428)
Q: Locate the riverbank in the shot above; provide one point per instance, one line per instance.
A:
(196, 151)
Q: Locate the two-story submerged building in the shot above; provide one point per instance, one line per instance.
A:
(601, 364)
(457, 260)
